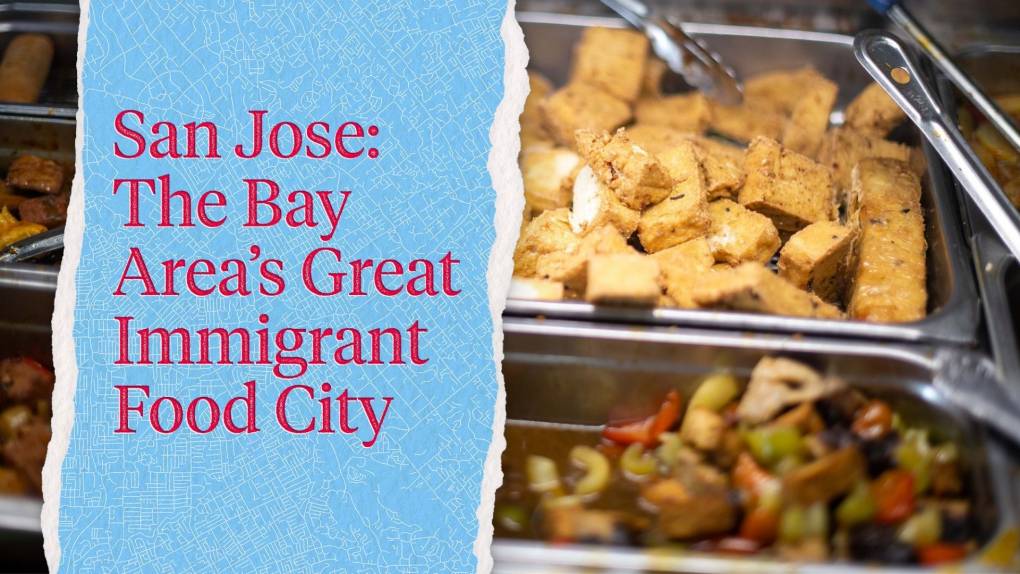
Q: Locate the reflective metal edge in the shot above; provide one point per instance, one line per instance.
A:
(992, 260)
(513, 556)
(955, 322)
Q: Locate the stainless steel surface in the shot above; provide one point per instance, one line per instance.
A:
(59, 21)
(953, 303)
(906, 21)
(26, 308)
(998, 271)
(700, 67)
(888, 62)
(581, 373)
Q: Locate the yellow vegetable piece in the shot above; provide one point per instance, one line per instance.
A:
(18, 232)
(542, 474)
(715, 392)
(636, 462)
(597, 466)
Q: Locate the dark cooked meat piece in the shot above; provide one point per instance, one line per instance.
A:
(696, 510)
(879, 543)
(838, 409)
(880, 453)
(35, 174)
(26, 451)
(47, 210)
(22, 379)
(824, 479)
(574, 523)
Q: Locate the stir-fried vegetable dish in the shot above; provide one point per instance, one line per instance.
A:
(794, 464)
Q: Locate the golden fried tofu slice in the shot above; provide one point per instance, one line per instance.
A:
(843, 147)
(681, 268)
(791, 189)
(581, 106)
(623, 279)
(656, 138)
(570, 266)
(738, 234)
(535, 289)
(683, 214)
(549, 177)
(595, 205)
(533, 132)
(612, 60)
(781, 90)
(873, 112)
(723, 164)
(746, 121)
(634, 175)
(689, 112)
(752, 288)
(889, 282)
(549, 232)
(651, 84)
(805, 128)
(816, 259)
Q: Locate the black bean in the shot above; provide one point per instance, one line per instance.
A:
(879, 543)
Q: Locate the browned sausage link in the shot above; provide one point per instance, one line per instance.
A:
(35, 174)
(24, 68)
(47, 210)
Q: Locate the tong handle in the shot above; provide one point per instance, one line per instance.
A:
(885, 58)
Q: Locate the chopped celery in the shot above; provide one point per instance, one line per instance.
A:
(596, 466)
(715, 392)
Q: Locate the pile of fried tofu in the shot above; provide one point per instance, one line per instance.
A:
(638, 198)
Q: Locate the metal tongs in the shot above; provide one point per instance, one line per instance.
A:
(700, 67)
(886, 59)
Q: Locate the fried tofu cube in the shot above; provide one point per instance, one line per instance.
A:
(681, 267)
(535, 289)
(611, 59)
(746, 121)
(805, 128)
(655, 138)
(791, 189)
(873, 112)
(738, 234)
(683, 215)
(596, 205)
(549, 177)
(689, 112)
(843, 147)
(752, 288)
(655, 70)
(636, 177)
(37, 174)
(781, 90)
(625, 279)
(570, 266)
(889, 279)
(533, 132)
(816, 258)
(581, 106)
(723, 164)
(549, 232)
